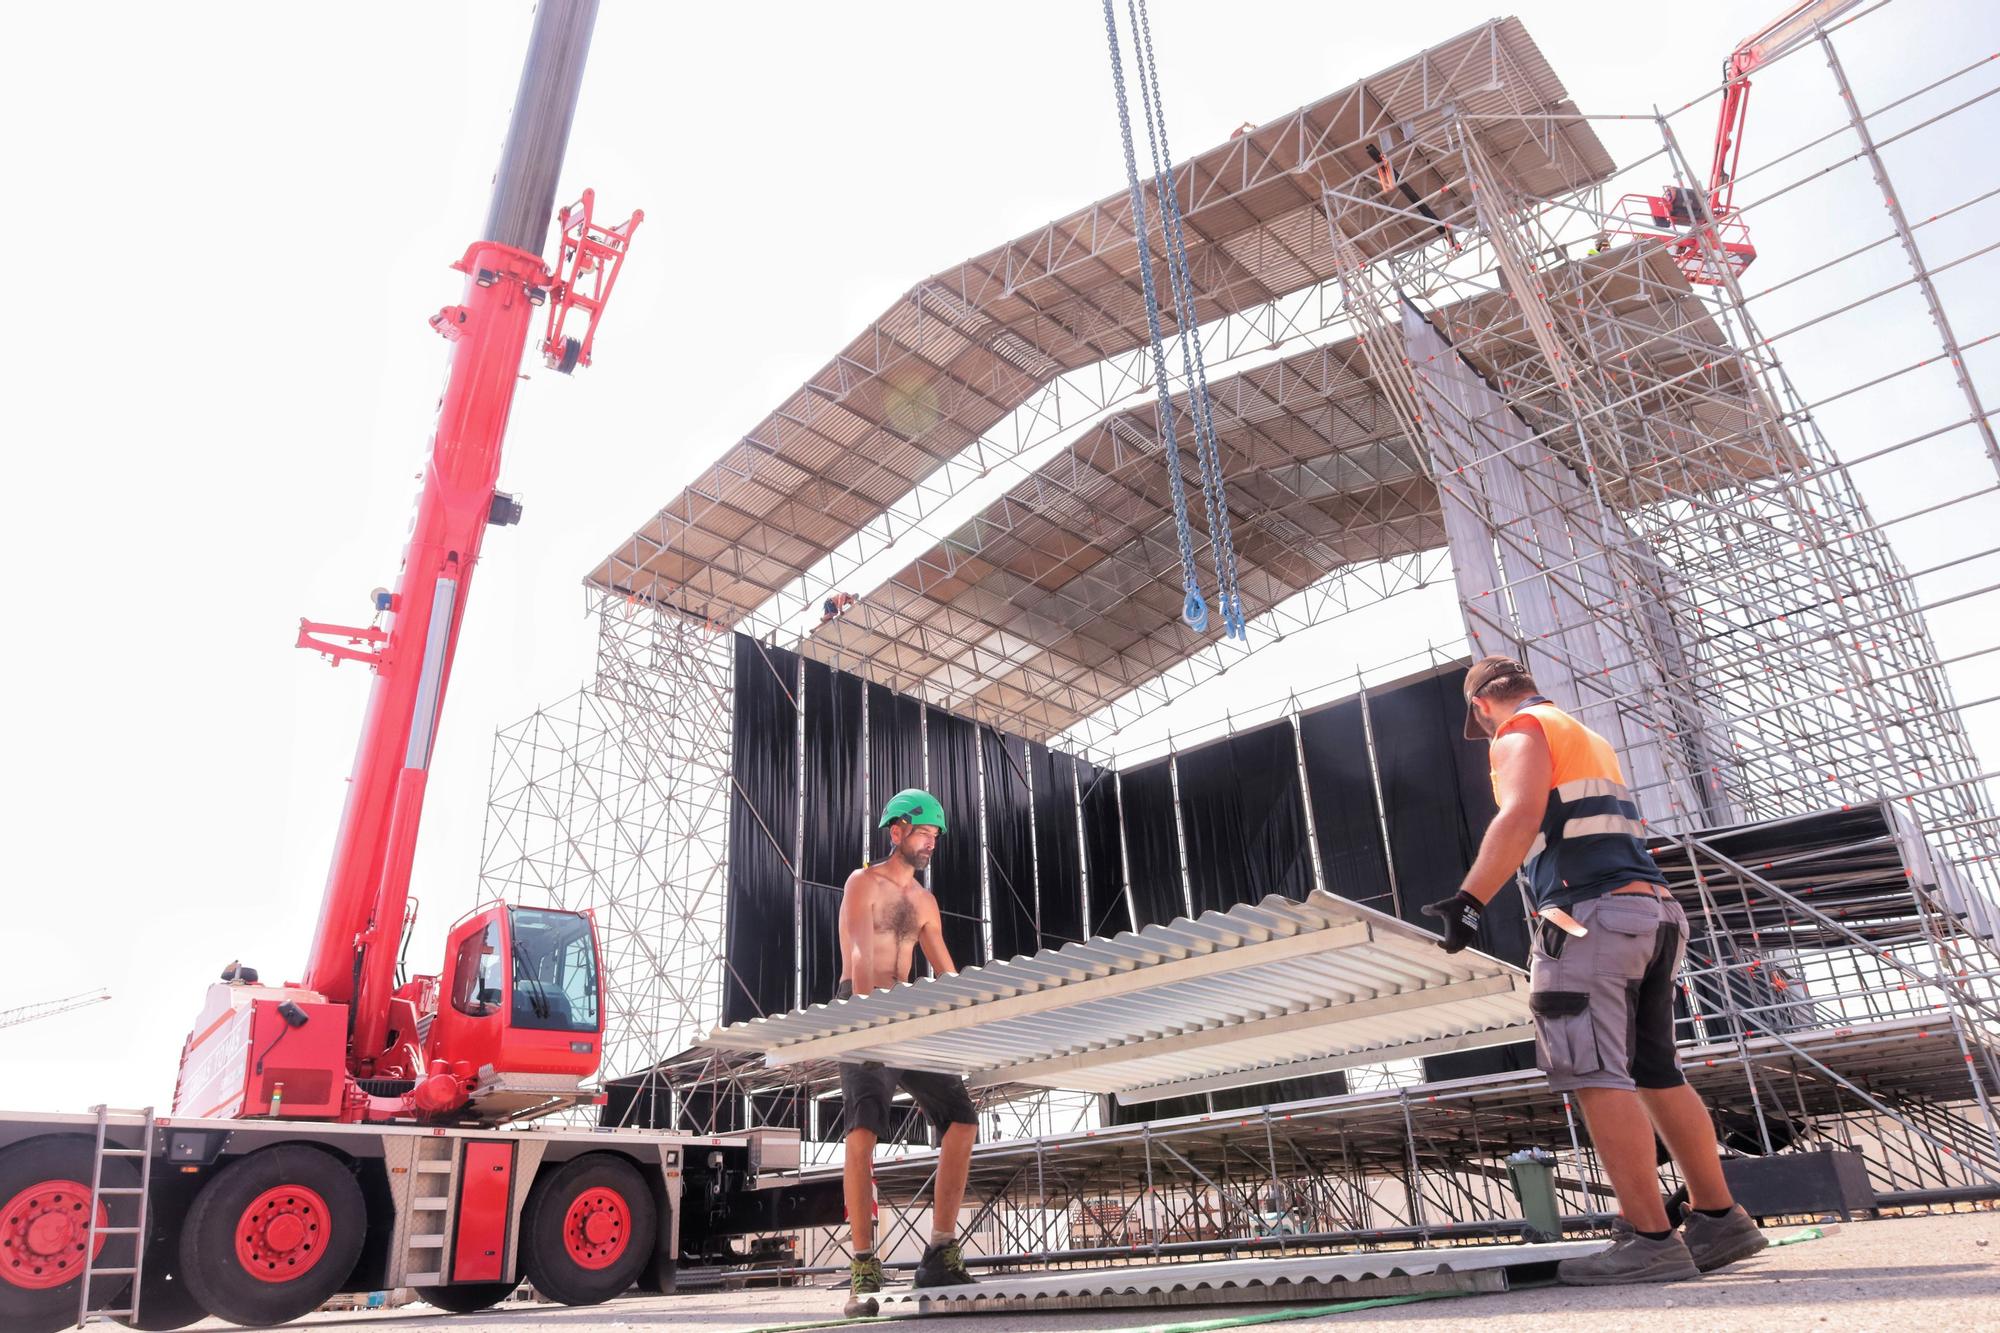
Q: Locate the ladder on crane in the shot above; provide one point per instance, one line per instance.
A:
(104, 1152)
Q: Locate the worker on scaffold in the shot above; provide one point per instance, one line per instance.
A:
(885, 913)
(1608, 944)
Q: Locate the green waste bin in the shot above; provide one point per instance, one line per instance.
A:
(1532, 1172)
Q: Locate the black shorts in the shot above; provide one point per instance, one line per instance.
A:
(868, 1089)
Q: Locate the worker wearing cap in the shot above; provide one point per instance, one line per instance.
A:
(885, 914)
(1608, 944)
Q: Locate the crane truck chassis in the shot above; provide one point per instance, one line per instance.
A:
(259, 1221)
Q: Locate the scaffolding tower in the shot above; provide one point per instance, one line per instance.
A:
(1516, 387)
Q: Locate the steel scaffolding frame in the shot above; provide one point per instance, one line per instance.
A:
(1635, 496)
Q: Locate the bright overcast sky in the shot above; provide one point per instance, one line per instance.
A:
(230, 223)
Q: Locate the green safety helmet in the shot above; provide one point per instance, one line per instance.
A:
(919, 807)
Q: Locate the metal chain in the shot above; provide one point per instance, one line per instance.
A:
(1194, 610)
(1194, 368)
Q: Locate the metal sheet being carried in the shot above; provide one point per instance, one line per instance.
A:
(1310, 1277)
(1277, 989)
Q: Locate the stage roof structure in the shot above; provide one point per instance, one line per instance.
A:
(968, 347)
(1278, 989)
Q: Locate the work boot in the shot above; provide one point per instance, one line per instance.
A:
(1631, 1258)
(942, 1266)
(1715, 1241)
(864, 1283)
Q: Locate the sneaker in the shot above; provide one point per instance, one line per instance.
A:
(1631, 1258)
(864, 1283)
(942, 1266)
(1715, 1241)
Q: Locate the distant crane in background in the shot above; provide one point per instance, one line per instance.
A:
(28, 1013)
(1711, 212)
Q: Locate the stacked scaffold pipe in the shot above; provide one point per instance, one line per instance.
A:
(1229, 600)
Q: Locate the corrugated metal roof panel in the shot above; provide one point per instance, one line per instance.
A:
(1279, 1277)
(1264, 991)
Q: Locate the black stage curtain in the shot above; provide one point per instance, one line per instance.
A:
(1345, 818)
(1151, 844)
(1245, 819)
(1477, 1064)
(759, 939)
(1058, 858)
(1103, 857)
(1281, 1091)
(704, 1111)
(895, 751)
(954, 780)
(1010, 853)
(834, 838)
(1429, 836)
(1439, 799)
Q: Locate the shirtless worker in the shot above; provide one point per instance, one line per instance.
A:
(1602, 999)
(884, 914)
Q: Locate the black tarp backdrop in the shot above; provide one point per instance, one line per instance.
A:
(1152, 846)
(953, 752)
(1059, 863)
(1437, 800)
(1104, 858)
(895, 752)
(1010, 850)
(758, 936)
(1345, 818)
(832, 840)
(1245, 819)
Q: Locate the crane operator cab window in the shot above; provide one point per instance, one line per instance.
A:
(554, 963)
(477, 975)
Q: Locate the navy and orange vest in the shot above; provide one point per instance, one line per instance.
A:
(1589, 843)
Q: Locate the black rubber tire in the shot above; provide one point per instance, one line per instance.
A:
(65, 1157)
(467, 1297)
(555, 1274)
(165, 1301)
(660, 1276)
(216, 1277)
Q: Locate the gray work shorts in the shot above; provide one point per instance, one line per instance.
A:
(1604, 1003)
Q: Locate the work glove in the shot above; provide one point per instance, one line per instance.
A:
(1460, 913)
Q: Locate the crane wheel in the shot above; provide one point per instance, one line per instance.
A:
(44, 1222)
(273, 1235)
(467, 1297)
(588, 1229)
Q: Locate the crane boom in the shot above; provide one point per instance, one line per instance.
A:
(1775, 39)
(28, 1013)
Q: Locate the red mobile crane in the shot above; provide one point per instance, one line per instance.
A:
(1697, 215)
(342, 1133)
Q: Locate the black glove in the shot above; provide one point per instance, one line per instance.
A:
(1460, 913)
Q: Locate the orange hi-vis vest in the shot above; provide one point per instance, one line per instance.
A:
(1590, 838)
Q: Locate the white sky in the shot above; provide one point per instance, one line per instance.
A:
(231, 221)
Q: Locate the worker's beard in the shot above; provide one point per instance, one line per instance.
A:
(914, 859)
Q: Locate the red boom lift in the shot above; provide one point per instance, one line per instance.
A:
(342, 1132)
(1697, 216)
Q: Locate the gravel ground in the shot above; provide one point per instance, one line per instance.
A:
(1939, 1272)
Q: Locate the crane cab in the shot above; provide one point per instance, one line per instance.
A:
(519, 1005)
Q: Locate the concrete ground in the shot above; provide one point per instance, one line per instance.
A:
(1940, 1272)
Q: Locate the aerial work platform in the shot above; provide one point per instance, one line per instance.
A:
(1278, 989)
